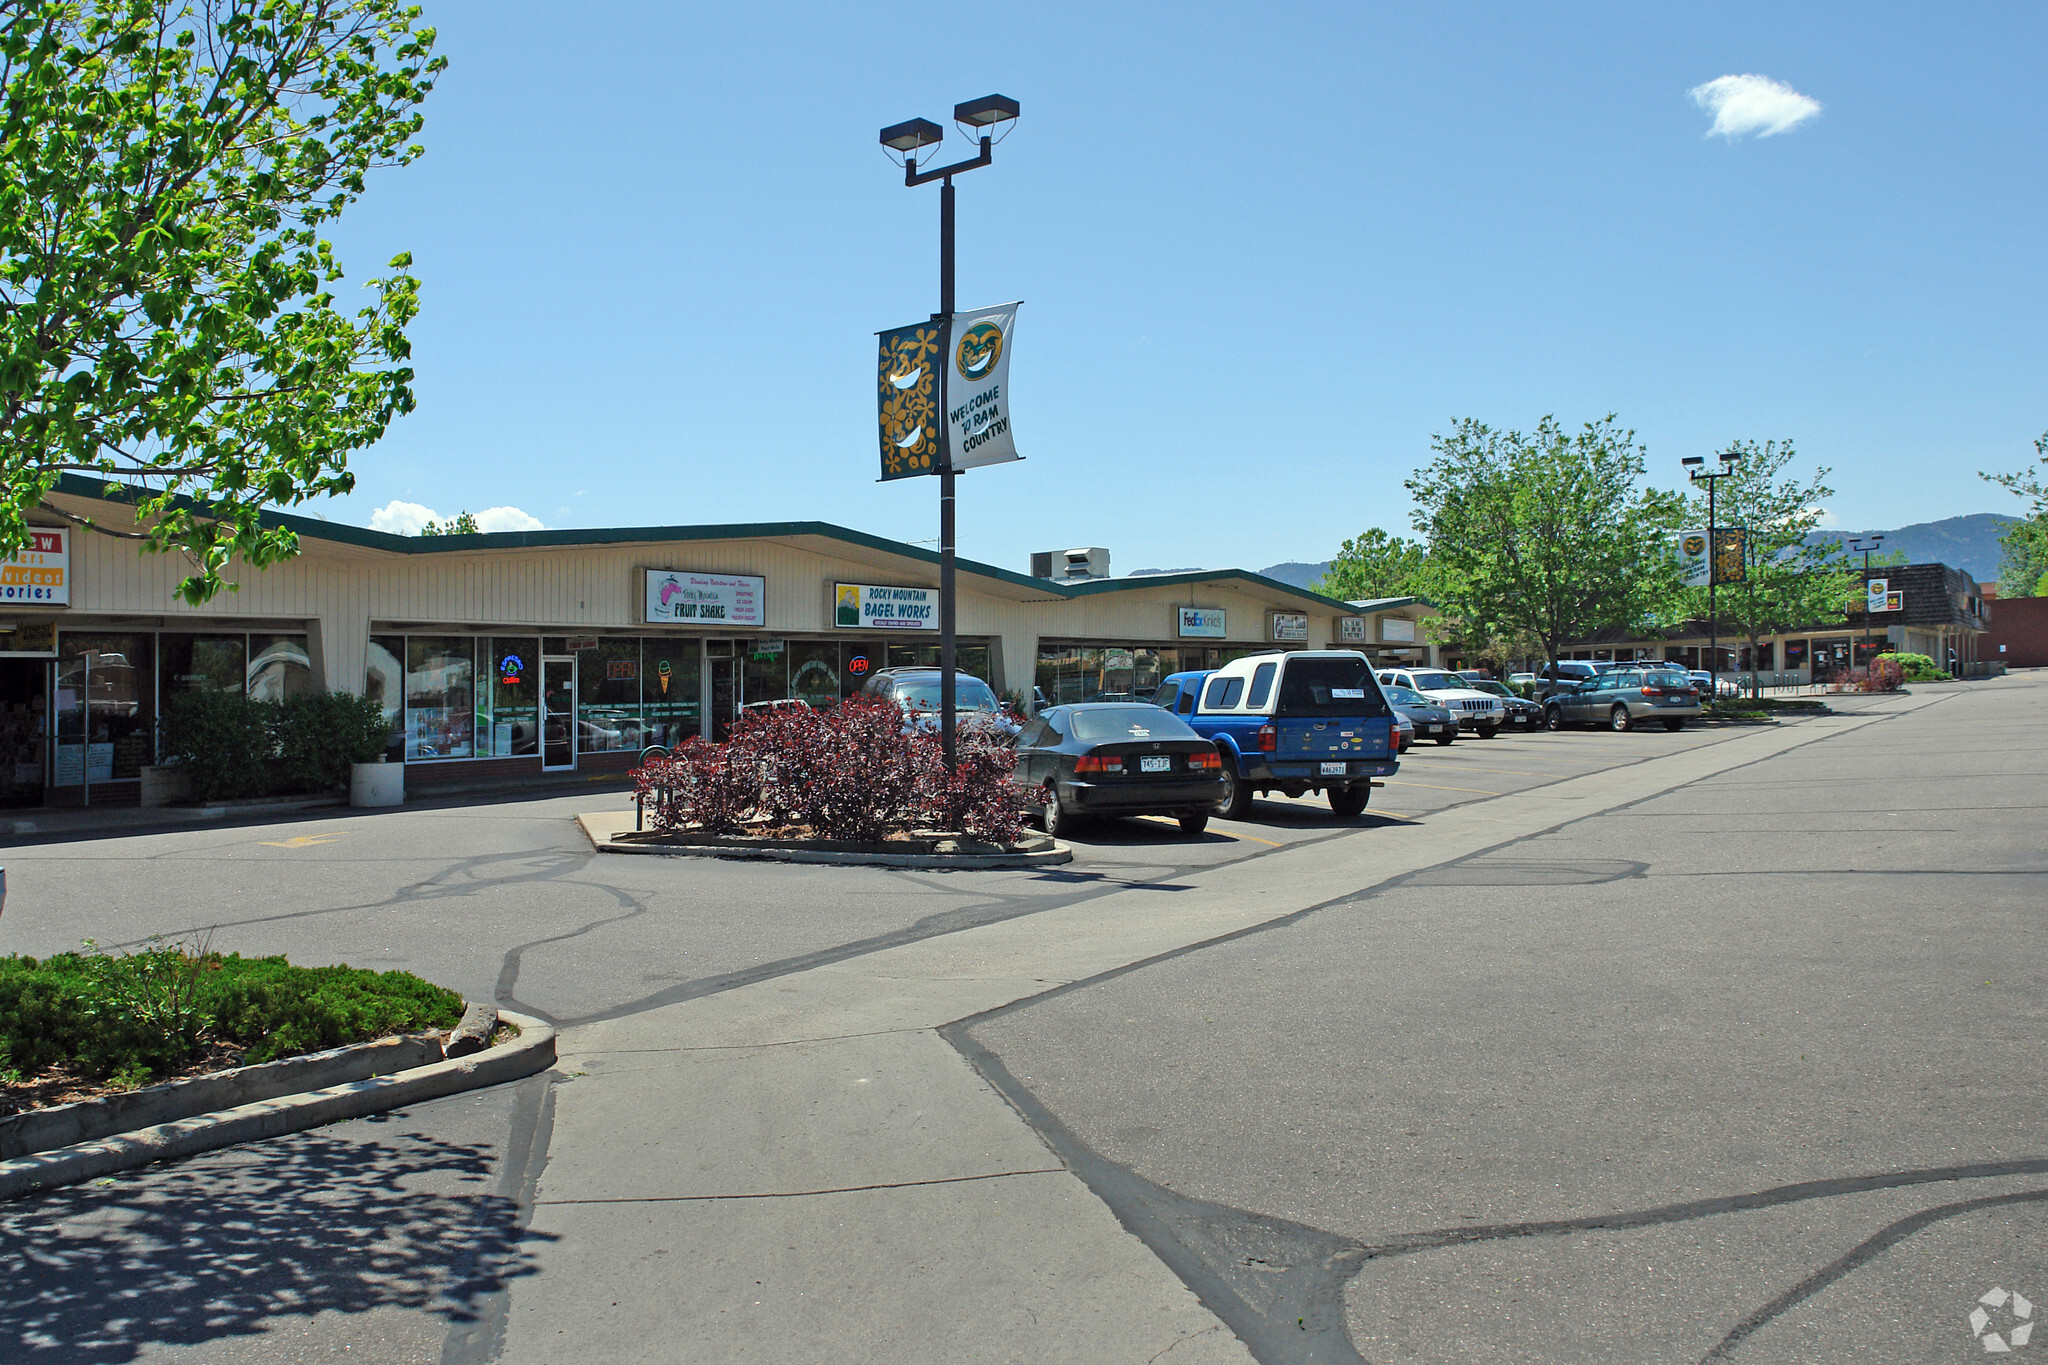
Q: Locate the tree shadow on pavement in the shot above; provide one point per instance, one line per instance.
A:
(218, 1248)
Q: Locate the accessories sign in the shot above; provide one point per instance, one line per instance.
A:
(867, 606)
(41, 572)
(1201, 623)
(678, 597)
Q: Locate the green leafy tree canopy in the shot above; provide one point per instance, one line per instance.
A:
(167, 315)
(463, 524)
(1786, 581)
(1374, 564)
(1545, 536)
(2023, 568)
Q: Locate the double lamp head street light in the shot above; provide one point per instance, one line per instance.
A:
(1695, 469)
(1857, 546)
(979, 120)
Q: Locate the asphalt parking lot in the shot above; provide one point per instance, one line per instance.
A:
(1650, 1067)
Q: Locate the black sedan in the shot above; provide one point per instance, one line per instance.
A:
(1522, 713)
(1118, 758)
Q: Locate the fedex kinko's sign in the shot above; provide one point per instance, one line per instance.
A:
(41, 572)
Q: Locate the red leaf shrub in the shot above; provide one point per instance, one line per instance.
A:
(850, 773)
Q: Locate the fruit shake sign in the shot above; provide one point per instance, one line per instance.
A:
(41, 573)
(676, 597)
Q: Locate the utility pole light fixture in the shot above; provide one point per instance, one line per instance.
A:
(1857, 546)
(978, 119)
(1696, 471)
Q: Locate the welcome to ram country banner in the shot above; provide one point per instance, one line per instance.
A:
(913, 378)
(978, 387)
(1727, 564)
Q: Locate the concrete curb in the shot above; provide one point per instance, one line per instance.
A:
(963, 862)
(532, 1051)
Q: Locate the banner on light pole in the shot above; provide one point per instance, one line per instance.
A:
(1728, 562)
(1693, 565)
(1731, 560)
(913, 441)
(978, 387)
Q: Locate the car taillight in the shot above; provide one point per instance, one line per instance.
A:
(1205, 760)
(1652, 691)
(1269, 739)
(1096, 763)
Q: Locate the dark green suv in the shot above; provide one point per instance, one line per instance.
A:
(1623, 698)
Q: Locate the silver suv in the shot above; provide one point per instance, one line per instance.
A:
(1622, 697)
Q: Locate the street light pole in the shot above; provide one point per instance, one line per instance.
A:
(1856, 546)
(1696, 471)
(910, 138)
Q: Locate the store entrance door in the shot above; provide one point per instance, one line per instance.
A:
(24, 730)
(558, 714)
(725, 695)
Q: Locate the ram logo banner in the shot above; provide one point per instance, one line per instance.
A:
(1692, 558)
(978, 387)
(908, 398)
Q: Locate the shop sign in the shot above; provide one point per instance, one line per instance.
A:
(1290, 625)
(581, 643)
(1351, 630)
(867, 606)
(41, 572)
(35, 637)
(1881, 596)
(767, 649)
(1397, 630)
(1201, 623)
(678, 597)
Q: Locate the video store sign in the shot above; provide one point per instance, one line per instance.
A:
(41, 574)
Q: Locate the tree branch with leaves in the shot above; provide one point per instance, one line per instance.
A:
(168, 319)
(2023, 568)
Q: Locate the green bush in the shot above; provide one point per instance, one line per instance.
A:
(224, 741)
(321, 733)
(1919, 668)
(143, 1014)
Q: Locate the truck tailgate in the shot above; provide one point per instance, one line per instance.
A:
(1362, 737)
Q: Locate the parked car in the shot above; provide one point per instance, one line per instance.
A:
(1621, 698)
(1521, 679)
(1572, 671)
(1478, 711)
(1118, 758)
(1426, 719)
(1404, 732)
(1724, 686)
(916, 691)
(1311, 720)
(1522, 713)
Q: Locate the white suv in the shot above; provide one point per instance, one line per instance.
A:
(1475, 710)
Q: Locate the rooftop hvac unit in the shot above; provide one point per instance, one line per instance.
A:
(1070, 565)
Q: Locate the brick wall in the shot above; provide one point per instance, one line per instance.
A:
(2021, 625)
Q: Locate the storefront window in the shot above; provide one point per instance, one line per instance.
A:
(384, 683)
(967, 658)
(814, 672)
(671, 679)
(859, 660)
(105, 708)
(440, 696)
(767, 665)
(279, 667)
(204, 663)
(608, 696)
(508, 719)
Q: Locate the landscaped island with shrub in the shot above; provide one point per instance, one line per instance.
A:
(856, 773)
(77, 1024)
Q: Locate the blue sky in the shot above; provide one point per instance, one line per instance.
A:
(1265, 253)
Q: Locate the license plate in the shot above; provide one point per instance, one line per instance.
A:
(1156, 763)
(1333, 770)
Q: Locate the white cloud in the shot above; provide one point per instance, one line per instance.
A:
(507, 519)
(1825, 517)
(406, 519)
(1753, 104)
(402, 518)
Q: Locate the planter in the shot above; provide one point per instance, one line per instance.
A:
(376, 784)
(935, 851)
(165, 784)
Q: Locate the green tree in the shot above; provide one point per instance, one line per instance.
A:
(1374, 564)
(1787, 582)
(1547, 536)
(2023, 568)
(463, 525)
(167, 315)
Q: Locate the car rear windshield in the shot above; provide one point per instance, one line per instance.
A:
(1130, 723)
(1329, 687)
(969, 694)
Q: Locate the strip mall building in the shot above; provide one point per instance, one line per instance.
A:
(633, 636)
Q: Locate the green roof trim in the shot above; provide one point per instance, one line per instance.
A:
(84, 486)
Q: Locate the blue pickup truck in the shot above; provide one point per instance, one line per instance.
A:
(1311, 720)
